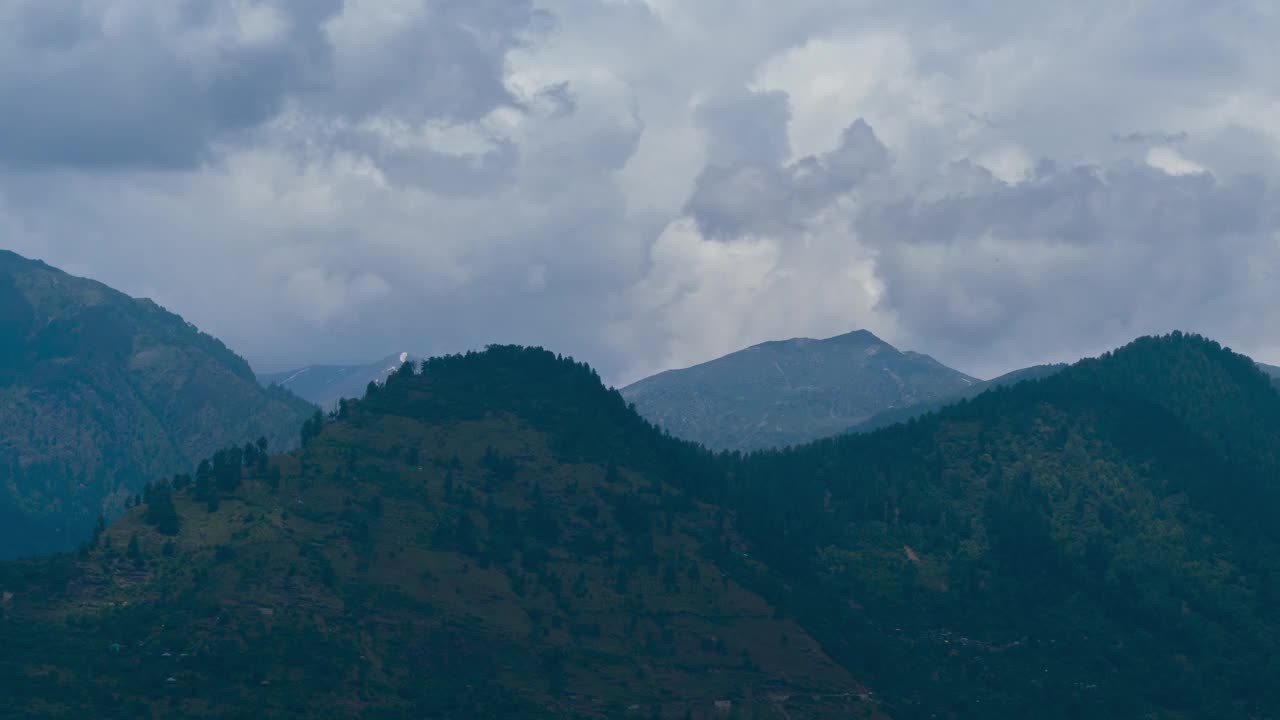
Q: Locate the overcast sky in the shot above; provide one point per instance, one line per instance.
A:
(652, 183)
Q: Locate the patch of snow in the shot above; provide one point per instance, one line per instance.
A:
(289, 379)
(404, 356)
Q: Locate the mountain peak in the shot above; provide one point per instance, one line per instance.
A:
(853, 337)
(856, 336)
(790, 391)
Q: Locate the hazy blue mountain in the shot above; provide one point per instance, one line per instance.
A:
(905, 413)
(100, 393)
(324, 385)
(1272, 371)
(791, 391)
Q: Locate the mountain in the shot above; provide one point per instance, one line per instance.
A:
(324, 385)
(906, 412)
(491, 538)
(791, 391)
(100, 392)
(1036, 372)
(1272, 371)
(1098, 543)
(500, 536)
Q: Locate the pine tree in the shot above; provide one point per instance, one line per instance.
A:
(161, 512)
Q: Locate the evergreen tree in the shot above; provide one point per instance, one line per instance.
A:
(161, 511)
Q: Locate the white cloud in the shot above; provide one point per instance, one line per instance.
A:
(644, 184)
(1172, 162)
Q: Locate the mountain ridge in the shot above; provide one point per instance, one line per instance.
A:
(484, 539)
(1095, 543)
(784, 392)
(325, 385)
(102, 391)
(905, 413)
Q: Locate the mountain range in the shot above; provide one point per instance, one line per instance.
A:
(488, 538)
(100, 393)
(747, 400)
(324, 385)
(789, 392)
(499, 535)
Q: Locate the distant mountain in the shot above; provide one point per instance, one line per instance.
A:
(100, 393)
(324, 385)
(906, 412)
(1272, 371)
(791, 391)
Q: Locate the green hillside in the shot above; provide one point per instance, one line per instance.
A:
(458, 544)
(100, 392)
(1100, 543)
(501, 536)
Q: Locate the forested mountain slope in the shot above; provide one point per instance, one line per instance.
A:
(490, 539)
(502, 536)
(907, 412)
(100, 392)
(1100, 543)
(791, 391)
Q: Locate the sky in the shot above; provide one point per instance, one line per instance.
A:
(646, 184)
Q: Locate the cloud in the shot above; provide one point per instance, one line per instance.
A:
(111, 83)
(418, 60)
(1074, 260)
(321, 296)
(650, 183)
(746, 190)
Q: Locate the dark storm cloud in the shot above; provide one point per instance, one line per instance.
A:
(124, 83)
(100, 85)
